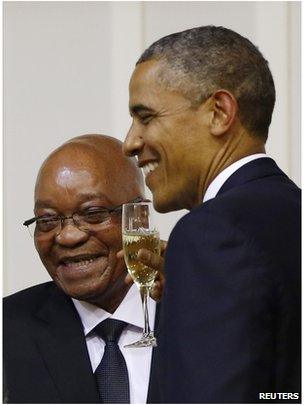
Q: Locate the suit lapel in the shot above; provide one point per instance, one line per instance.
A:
(256, 169)
(62, 345)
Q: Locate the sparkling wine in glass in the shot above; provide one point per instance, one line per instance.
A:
(139, 232)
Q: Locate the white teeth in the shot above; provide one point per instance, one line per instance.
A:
(80, 263)
(149, 167)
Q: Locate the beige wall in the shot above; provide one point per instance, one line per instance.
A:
(66, 72)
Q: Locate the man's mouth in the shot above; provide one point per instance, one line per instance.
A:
(78, 261)
(149, 168)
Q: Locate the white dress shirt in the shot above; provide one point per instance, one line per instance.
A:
(220, 179)
(138, 360)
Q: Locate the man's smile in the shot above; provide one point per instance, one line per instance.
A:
(149, 168)
(80, 258)
(79, 265)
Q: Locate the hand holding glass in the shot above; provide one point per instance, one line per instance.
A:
(139, 232)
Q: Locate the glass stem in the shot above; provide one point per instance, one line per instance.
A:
(144, 292)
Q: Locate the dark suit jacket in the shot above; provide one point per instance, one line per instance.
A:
(230, 318)
(45, 353)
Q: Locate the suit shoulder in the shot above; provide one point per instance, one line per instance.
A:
(198, 220)
(27, 299)
(261, 200)
(248, 208)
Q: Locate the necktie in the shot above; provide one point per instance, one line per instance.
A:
(112, 373)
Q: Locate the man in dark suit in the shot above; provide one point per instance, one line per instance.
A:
(52, 340)
(201, 102)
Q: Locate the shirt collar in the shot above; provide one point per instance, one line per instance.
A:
(129, 311)
(220, 179)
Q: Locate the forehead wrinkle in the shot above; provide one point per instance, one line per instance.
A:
(82, 198)
(95, 184)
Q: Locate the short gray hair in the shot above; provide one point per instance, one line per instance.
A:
(201, 60)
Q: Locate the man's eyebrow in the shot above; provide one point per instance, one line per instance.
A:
(139, 108)
(82, 197)
(43, 203)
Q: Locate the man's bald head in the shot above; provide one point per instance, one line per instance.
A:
(82, 180)
(97, 153)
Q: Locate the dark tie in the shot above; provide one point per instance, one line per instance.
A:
(112, 373)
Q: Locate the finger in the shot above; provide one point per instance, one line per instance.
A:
(128, 279)
(163, 246)
(120, 254)
(160, 276)
(150, 259)
(156, 291)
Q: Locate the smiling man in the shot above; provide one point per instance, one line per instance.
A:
(56, 347)
(201, 102)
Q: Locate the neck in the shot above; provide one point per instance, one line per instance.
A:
(234, 148)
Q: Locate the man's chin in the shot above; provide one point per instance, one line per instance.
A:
(80, 292)
(163, 205)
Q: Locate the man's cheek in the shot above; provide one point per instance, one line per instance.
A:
(118, 265)
(42, 247)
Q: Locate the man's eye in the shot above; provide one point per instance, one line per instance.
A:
(145, 119)
(47, 223)
(96, 216)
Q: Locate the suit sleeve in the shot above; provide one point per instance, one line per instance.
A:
(217, 325)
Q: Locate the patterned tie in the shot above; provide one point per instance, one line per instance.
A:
(112, 373)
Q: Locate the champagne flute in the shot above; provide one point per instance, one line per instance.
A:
(139, 231)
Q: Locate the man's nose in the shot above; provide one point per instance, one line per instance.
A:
(133, 143)
(70, 235)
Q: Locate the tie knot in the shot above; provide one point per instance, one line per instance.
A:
(110, 330)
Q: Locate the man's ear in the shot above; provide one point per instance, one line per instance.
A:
(224, 109)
